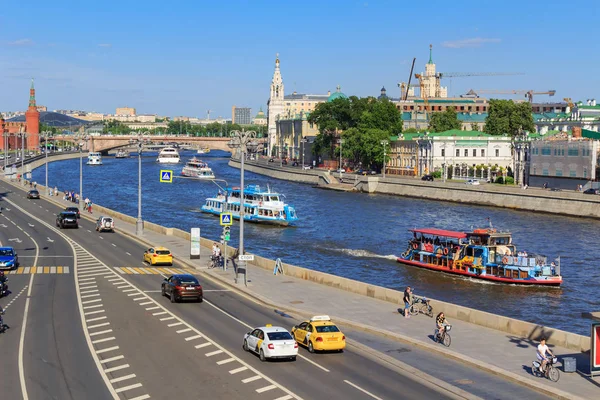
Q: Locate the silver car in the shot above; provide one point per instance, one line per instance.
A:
(105, 224)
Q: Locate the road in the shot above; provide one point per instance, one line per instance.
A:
(107, 314)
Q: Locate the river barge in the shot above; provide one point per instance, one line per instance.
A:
(485, 254)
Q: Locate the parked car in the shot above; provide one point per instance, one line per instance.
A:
(472, 182)
(105, 224)
(428, 177)
(33, 194)
(182, 286)
(591, 191)
(67, 219)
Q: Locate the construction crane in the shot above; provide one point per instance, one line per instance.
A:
(404, 88)
(441, 75)
(528, 93)
(569, 103)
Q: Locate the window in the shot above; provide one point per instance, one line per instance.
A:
(457, 152)
(573, 152)
(585, 172)
(573, 173)
(443, 152)
(482, 152)
(546, 151)
(545, 171)
(466, 152)
(497, 152)
(559, 172)
(474, 152)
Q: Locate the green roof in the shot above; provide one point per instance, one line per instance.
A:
(586, 133)
(458, 101)
(458, 132)
(596, 107)
(336, 95)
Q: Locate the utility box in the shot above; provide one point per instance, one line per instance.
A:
(569, 364)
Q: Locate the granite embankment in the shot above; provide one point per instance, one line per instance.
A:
(574, 204)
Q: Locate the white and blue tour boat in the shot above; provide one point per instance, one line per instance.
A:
(260, 206)
(94, 158)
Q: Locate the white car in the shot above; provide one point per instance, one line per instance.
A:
(472, 182)
(271, 342)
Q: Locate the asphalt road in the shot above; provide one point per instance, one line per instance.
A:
(197, 347)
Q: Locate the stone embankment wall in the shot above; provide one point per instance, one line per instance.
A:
(532, 199)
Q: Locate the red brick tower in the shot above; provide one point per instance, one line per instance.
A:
(32, 122)
(2, 130)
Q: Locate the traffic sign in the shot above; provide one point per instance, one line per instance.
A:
(246, 257)
(166, 176)
(226, 219)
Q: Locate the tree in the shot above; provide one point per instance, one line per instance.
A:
(474, 126)
(508, 117)
(444, 121)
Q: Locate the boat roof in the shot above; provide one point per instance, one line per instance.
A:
(441, 232)
(253, 189)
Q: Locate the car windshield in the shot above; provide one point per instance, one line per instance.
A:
(327, 329)
(68, 215)
(279, 335)
(163, 252)
(34, 192)
(6, 252)
(72, 209)
(189, 281)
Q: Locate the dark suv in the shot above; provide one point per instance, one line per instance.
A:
(75, 210)
(591, 191)
(427, 178)
(67, 219)
(182, 286)
(33, 194)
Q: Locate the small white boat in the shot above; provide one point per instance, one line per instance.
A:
(198, 169)
(168, 155)
(122, 154)
(94, 158)
(205, 150)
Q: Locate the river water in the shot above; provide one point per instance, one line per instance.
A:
(359, 235)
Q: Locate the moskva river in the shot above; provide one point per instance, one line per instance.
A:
(358, 235)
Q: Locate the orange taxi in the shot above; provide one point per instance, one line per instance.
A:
(319, 334)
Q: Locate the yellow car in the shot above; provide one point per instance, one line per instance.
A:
(158, 255)
(319, 333)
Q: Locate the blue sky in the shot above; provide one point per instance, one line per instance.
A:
(185, 57)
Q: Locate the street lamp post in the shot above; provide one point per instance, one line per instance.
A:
(445, 171)
(22, 135)
(6, 135)
(302, 141)
(242, 140)
(83, 138)
(341, 142)
(139, 223)
(384, 143)
(45, 135)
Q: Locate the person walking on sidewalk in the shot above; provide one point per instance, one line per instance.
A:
(407, 301)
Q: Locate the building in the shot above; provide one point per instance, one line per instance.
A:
(241, 115)
(146, 118)
(125, 111)
(275, 106)
(260, 119)
(297, 103)
(470, 112)
(290, 133)
(23, 133)
(42, 108)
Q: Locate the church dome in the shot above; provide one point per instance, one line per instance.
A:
(260, 115)
(337, 95)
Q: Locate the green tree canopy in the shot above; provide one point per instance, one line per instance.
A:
(444, 121)
(508, 117)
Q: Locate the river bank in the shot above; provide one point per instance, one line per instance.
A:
(572, 204)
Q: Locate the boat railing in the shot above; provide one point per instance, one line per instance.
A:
(521, 261)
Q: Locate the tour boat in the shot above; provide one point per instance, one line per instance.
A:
(482, 254)
(94, 158)
(198, 169)
(262, 206)
(122, 154)
(168, 155)
(204, 150)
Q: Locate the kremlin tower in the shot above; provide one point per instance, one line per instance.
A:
(32, 122)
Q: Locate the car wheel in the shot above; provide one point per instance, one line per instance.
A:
(173, 299)
(293, 358)
(200, 299)
(261, 354)
(162, 291)
(245, 346)
(311, 349)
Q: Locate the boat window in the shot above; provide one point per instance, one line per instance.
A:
(502, 240)
(274, 198)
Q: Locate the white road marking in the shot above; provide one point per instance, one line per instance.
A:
(122, 378)
(183, 330)
(98, 325)
(227, 360)
(128, 253)
(107, 349)
(140, 298)
(90, 291)
(160, 313)
(132, 294)
(94, 312)
(114, 245)
(152, 291)
(175, 324)
(91, 301)
(116, 368)
(115, 358)
(89, 230)
(166, 318)
(266, 388)
(251, 379)
(134, 386)
(86, 279)
(213, 353)
(101, 237)
(216, 290)
(95, 319)
(362, 390)
(152, 308)
(142, 397)
(90, 295)
(22, 342)
(187, 339)
(286, 397)
(146, 303)
(101, 332)
(199, 346)
(108, 339)
(93, 306)
(130, 290)
(235, 371)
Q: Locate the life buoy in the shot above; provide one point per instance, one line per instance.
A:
(415, 246)
(504, 260)
(445, 251)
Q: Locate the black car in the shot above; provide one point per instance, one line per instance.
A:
(427, 178)
(33, 194)
(182, 286)
(75, 210)
(591, 191)
(67, 219)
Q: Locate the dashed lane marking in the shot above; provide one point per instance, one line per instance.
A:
(362, 390)
(16, 297)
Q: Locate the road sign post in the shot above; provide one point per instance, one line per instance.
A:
(224, 239)
(225, 219)
(166, 176)
(195, 244)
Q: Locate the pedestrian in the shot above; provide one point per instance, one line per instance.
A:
(89, 207)
(407, 301)
(55, 191)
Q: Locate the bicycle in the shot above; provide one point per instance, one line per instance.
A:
(421, 305)
(443, 337)
(215, 261)
(551, 372)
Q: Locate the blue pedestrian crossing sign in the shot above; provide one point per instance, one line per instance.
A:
(166, 176)
(226, 219)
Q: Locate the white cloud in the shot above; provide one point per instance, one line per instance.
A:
(21, 42)
(105, 45)
(472, 42)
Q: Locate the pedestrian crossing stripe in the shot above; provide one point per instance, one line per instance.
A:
(153, 271)
(39, 270)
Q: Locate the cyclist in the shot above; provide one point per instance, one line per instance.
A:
(440, 322)
(216, 253)
(542, 349)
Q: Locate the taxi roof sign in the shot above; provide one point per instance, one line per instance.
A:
(225, 219)
(166, 176)
(268, 325)
(321, 318)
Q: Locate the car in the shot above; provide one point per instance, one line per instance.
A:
(319, 334)
(472, 182)
(8, 258)
(67, 219)
(33, 194)
(340, 171)
(158, 255)
(556, 189)
(271, 342)
(591, 191)
(105, 224)
(427, 177)
(306, 167)
(182, 286)
(75, 210)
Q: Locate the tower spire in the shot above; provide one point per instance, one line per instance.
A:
(430, 54)
(32, 96)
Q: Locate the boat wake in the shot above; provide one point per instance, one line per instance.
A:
(364, 254)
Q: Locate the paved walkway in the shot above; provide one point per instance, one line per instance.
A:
(489, 349)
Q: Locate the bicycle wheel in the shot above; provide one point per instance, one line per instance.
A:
(553, 374)
(429, 310)
(413, 310)
(210, 264)
(447, 340)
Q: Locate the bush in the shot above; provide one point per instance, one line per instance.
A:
(437, 174)
(509, 180)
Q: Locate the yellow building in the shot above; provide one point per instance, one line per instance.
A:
(125, 111)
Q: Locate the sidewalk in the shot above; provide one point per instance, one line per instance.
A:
(491, 350)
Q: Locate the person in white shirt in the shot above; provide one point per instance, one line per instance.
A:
(542, 349)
